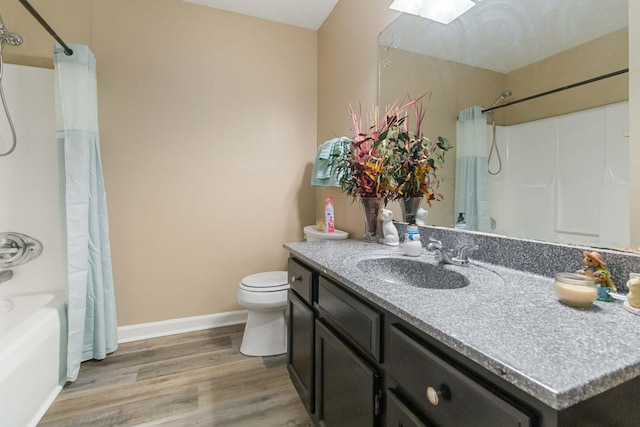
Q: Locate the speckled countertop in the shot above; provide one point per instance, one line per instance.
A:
(512, 323)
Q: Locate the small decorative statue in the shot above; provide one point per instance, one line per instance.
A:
(597, 269)
(633, 297)
(390, 232)
(421, 216)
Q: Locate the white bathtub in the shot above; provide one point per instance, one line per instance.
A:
(33, 345)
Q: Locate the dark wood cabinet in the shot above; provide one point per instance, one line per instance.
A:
(300, 354)
(347, 387)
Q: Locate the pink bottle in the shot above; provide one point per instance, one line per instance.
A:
(328, 215)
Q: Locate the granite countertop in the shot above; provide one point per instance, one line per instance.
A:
(513, 325)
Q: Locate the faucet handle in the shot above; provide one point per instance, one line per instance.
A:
(434, 244)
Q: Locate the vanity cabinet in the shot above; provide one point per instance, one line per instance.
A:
(354, 363)
(387, 354)
(350, 368)
(301, 332)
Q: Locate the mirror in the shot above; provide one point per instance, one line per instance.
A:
(560, 160)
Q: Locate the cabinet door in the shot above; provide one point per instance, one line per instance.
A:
(347, 389)
(300, 345)
(398, 415)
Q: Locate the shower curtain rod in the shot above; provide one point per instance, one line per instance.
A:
(560, 89)
(32, 11)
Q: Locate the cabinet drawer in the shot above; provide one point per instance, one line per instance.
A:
(301, 280)
(444, 394)
(351, 316)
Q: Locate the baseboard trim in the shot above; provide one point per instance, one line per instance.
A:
(178, 326)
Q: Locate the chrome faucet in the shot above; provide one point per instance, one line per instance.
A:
(446, 256)
(6, 275)
(462, 259)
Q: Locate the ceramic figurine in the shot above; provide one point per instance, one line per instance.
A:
(633, 297)
(390, 232)
(421, 216)
(596, 268)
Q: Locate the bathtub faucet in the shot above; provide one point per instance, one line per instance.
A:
(6, 275)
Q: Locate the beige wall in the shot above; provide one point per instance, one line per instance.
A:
(208, 127)
(348, 73)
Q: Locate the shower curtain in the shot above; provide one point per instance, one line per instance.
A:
(472, 176)
(92, 327)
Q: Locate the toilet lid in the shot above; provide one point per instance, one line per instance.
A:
(266, 282)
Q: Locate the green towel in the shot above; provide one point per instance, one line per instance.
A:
(324, 175)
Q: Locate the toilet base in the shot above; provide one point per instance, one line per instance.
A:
(265, 334)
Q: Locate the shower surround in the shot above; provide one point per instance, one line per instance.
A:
(31, 203)
(565, 179)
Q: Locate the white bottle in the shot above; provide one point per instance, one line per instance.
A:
(412, 245)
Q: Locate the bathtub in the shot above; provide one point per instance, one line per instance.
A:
(33, 345)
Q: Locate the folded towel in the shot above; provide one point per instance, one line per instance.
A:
(324, 175)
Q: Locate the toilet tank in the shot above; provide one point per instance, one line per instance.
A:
(312, 234)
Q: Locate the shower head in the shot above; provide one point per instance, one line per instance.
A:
(503, 95)
(12, 39)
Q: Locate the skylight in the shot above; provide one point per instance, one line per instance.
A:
(443, 11)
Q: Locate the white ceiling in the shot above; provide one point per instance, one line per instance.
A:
(505, 35)
(300, 13)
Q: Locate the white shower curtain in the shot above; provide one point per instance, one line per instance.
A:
(472, 176)
(92, 327)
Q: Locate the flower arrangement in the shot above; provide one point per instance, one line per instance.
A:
(389, 161)
(363, 167)
(416, 160)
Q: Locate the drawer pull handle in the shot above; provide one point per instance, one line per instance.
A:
(434, 396)
(295, 279)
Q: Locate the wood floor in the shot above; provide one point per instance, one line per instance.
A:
(198, 378)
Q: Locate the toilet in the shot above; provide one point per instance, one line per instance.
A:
(264, 295)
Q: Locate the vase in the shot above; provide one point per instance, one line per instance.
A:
(409, 206)
(371, 207)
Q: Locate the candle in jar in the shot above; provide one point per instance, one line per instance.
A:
(575, 289)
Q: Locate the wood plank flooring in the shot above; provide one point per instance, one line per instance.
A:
(197, 378)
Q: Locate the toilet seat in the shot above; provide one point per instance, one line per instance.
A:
(270, 281)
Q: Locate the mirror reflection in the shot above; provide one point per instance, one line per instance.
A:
(554, 167)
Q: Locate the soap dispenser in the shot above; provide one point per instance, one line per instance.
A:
(412, 245)
(461, 224)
